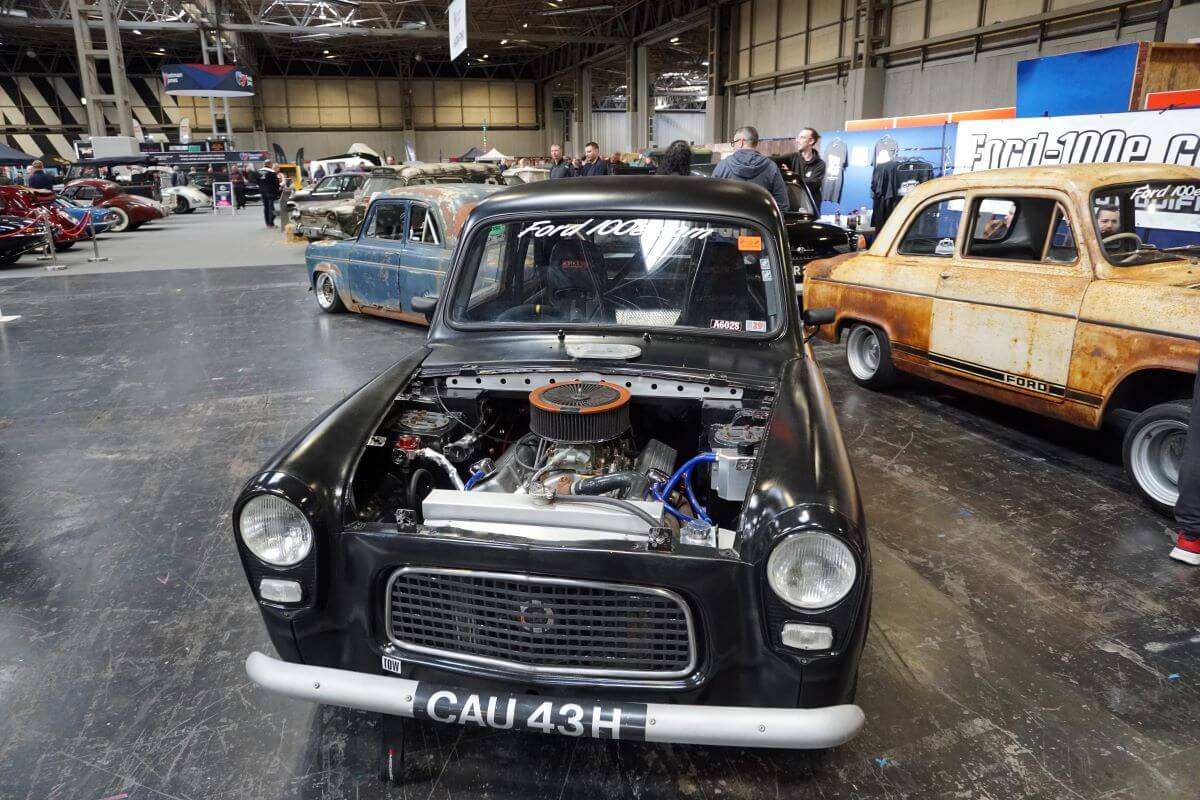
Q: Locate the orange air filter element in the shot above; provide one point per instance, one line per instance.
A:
(579, 412)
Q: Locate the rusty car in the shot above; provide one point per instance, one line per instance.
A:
(400, 252)
(339, 219)
(1068, 291)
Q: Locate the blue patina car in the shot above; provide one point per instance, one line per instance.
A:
(401, 251)
(102, 219)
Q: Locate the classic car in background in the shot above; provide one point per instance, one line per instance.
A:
(131, 211)
(133, 173)
(42, 205)
(341, 218)
(18, 236)
(400, 253)
(1067, 291)
(341, 186)
(203, 181)
(94, 220)
(186, 199)
(608, 498)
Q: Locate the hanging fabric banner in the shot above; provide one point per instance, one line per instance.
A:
(207, 80)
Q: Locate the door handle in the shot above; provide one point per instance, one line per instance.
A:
(947, 275)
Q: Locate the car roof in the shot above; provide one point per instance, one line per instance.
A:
(622, 194)
(1075, 178)
(454, 199)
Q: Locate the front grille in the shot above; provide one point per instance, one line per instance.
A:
(547, 626)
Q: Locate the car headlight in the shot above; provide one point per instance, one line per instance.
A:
(811, 570)
(275, 531)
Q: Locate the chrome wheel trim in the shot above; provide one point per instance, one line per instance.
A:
(326, 290)
(863, 352)
(1154, 459)
(122, 223)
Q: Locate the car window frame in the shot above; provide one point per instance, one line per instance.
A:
(957, 194)
(1070, 268)
(365, 235)
(430, 220)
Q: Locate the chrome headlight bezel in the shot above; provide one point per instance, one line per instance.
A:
(278, 518)
(831, 554)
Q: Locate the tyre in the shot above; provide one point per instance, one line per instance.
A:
(8, 261)
(328, 299)
(182, 206)
(869, 357)
(1153, 453)
(121, 222)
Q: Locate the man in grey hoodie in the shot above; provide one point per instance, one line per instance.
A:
(747, 164)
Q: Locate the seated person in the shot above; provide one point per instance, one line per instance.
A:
(997, 227)
(1108, 223)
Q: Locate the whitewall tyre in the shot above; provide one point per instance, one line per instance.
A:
(122, 217)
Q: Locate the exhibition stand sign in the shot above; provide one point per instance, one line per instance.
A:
(207, 80)
(223, 196)
(1161, 137)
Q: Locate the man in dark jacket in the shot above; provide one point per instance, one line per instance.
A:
(38, 178)
(592, 164)
(268, 187)
(747, 164)
(559, 166)
(808, 164)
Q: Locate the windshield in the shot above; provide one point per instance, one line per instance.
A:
(621, 271)
(801, 200)
(379, 183)
(1148, 223)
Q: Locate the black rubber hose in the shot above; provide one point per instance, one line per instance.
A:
(624, 505)
(632, 484)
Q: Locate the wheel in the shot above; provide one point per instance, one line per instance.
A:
(121, 221)
(1153, 452)
(8, 261)
(328, 299)
(869, 357)
(182, 206)
(63, 246)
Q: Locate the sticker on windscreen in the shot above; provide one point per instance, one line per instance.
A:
(764, 264)
(725, 324)
(756, 326)
(639, 228)
(750, 243)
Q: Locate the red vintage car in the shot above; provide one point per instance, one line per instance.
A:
(131, 210)
(39, 204)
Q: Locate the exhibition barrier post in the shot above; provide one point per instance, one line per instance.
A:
(51, 253)
(95, 244)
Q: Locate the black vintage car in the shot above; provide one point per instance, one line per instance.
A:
(18, 236)
(612, 473)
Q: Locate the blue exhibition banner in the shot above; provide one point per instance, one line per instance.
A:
(1089, 82)
(207, 80)
(851, 158)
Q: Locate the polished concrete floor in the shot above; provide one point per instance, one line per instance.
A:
(1030, 637)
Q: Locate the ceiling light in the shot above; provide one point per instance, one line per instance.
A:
(704, 63)
(326, 52)
(161, 50)
(331, 56)
(525, 25)
(674, 39)
(485, 55)
(504, 41)
(136, 32)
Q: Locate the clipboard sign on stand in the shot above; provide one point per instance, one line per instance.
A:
(223, 197)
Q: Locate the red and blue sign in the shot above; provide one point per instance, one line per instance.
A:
(207, 80)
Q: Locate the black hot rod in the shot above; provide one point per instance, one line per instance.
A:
(612, 473)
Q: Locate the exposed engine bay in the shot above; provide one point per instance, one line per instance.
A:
(565, 457)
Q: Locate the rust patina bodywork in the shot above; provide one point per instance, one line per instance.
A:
(367, 272)
(1058, 339)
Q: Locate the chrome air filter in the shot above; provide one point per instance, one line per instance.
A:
(579, 412)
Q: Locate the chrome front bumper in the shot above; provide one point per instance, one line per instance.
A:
(734, 726)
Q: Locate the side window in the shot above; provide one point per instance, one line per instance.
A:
(1012, 228)
(1062, 240)
(85, 193)
(934, 231)
(491, 265)
(328, 184)
(387, 222)
(422, 227)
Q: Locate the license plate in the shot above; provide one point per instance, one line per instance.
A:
(524, 712)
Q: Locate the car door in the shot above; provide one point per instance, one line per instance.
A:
(425, 258)
(375, 258)
(1008, 302)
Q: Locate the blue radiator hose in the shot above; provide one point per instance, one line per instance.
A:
(685, 473)
(474, 479)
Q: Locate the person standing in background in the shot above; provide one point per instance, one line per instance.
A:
(38, 178)
(677, 160)
(238, 179)
(559, 166)
(745, 163)
(268, 187)
(807, 164)
(1187, 507)
(592, 164)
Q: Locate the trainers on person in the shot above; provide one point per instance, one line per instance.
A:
(1187, 549)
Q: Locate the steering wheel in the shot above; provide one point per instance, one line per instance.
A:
(1116, 237)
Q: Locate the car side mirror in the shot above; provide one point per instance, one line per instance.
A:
(816, 317)
(425, 304)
